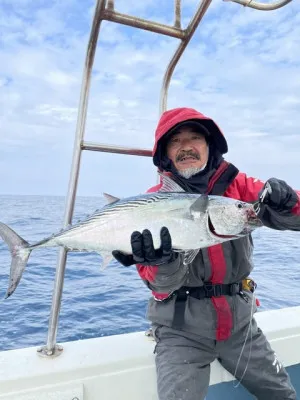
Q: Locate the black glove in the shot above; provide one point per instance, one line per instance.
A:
(279, 196)
(143, 251)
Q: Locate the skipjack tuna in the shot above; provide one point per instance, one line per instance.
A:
(194, 221)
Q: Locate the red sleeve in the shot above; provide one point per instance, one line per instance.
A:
(296, 209)
(147, 273)
(248, 187)
(154, 188)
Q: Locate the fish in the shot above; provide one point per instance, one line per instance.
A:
(194, 221)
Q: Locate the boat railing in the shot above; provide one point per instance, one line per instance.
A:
(105, 10)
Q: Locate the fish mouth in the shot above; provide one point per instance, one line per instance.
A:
(213, 232)
(253, 219)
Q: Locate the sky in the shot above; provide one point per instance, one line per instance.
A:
(242, 68)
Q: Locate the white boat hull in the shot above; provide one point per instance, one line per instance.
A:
(121, 366)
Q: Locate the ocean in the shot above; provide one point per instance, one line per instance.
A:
(112, 301)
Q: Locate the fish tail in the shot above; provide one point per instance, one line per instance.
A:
(20, 253)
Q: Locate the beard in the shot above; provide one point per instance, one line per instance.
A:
(188, 172)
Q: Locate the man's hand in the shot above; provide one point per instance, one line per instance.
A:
(278, 195)
(143, 251)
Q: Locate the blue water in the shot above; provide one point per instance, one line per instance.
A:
(100, 303)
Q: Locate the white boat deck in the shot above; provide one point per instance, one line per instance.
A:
(120, 366)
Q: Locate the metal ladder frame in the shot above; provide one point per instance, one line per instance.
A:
(105, 10)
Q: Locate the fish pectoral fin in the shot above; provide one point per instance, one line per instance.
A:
(110, 199)
(189, 256)
(107, 257)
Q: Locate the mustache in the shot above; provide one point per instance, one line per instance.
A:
(189, 153)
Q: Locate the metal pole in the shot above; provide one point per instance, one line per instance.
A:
(261, 6)
(105, 148)
(144, 24)
(177, 22)
(50, 348)
(189, 33)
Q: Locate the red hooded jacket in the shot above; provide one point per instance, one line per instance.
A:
(242, 188)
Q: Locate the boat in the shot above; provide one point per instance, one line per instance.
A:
(122, 366)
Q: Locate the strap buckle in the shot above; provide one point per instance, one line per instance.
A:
(235, 288)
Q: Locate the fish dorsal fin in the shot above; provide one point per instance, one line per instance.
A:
(110, 199)
(200, 205)
(168, 185)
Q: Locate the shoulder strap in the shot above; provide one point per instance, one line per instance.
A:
(222, 178)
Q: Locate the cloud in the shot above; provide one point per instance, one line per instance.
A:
(241, 68)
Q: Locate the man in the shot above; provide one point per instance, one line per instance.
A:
(197, 313)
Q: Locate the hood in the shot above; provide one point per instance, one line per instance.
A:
(172, 119)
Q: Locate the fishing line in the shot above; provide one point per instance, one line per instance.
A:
(249, 330)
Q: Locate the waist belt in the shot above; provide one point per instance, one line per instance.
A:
(208, 290)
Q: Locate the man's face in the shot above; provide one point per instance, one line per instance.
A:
(187, 149)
